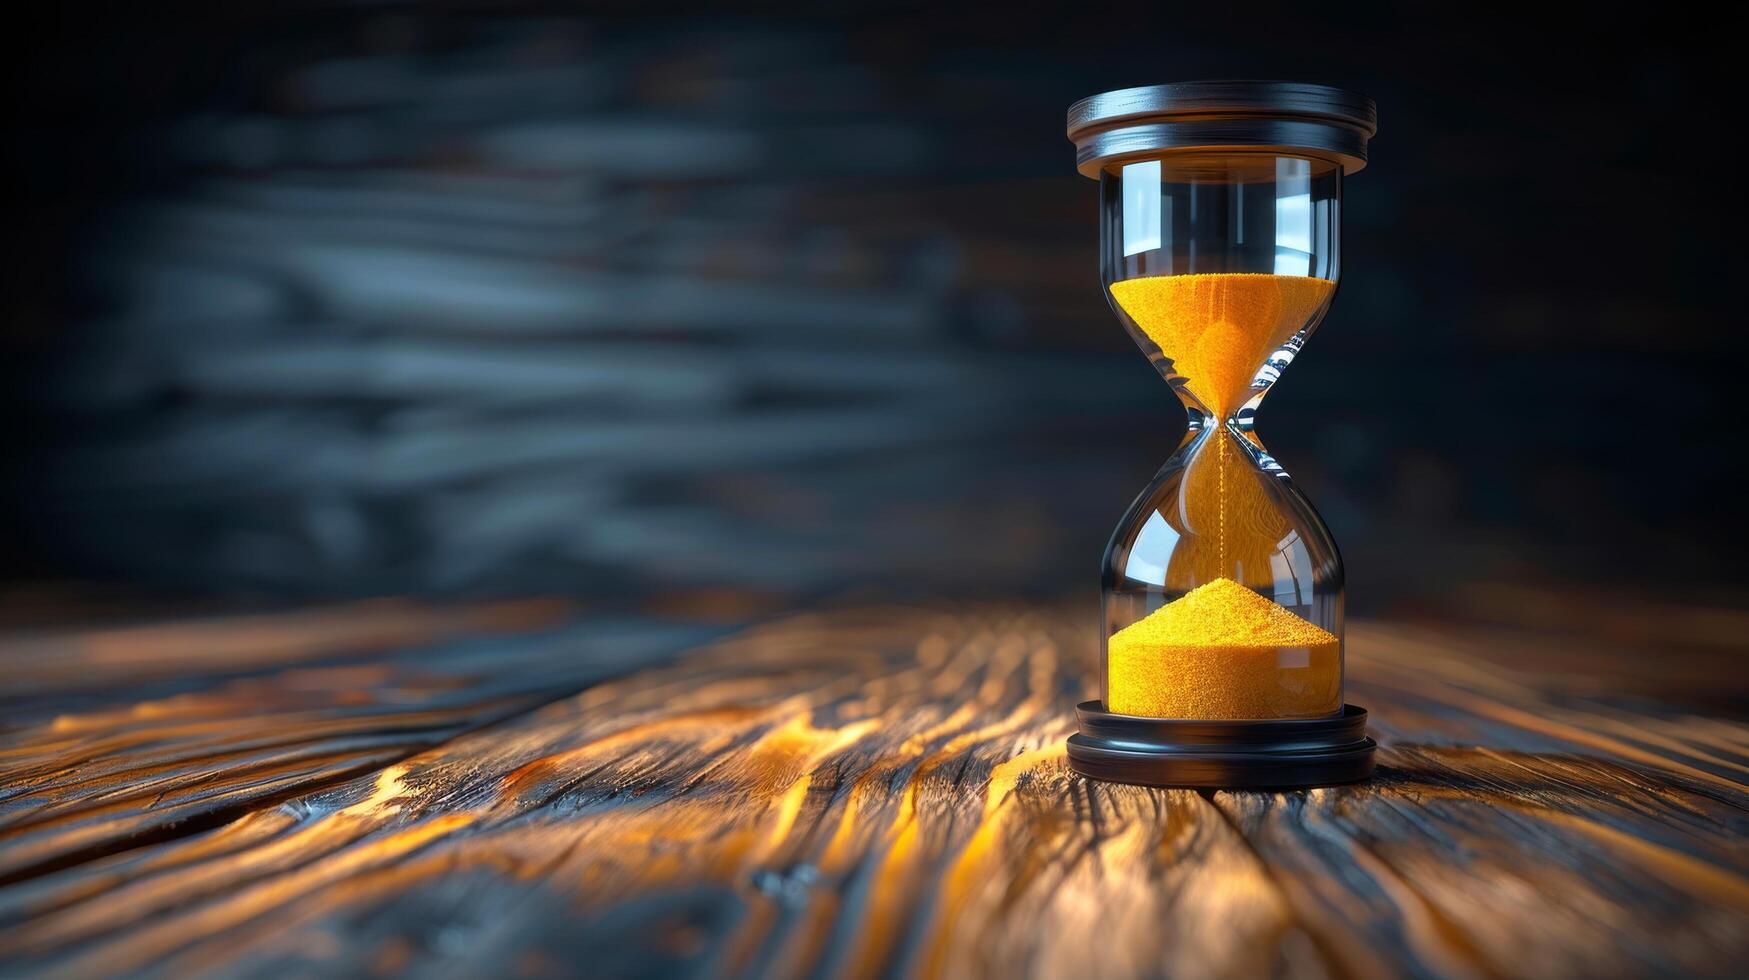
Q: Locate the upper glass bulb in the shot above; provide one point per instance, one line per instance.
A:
(1221, 265)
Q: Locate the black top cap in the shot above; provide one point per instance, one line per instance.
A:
(1289, 117)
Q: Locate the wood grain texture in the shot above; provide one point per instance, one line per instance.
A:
(859, 793)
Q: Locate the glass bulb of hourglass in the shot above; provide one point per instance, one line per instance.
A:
(1223, 588)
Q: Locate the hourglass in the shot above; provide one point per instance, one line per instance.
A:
(1222, 589)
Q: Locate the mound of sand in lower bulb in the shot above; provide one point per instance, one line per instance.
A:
(1222, 651)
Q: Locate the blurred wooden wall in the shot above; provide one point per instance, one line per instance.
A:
(541, 306)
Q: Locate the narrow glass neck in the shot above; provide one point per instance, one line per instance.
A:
(1198, 416)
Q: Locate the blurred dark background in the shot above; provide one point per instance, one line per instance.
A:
(313, 299)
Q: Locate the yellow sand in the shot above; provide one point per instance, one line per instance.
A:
(1223, 651)
(1230, 517)
(1219, 328)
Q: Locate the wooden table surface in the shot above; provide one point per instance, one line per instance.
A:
(517, 789)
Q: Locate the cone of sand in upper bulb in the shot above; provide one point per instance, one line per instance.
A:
(1219, 328)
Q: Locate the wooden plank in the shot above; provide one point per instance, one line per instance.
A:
(882, 791)
(286, 706)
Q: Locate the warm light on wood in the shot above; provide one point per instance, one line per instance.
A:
(856, 794)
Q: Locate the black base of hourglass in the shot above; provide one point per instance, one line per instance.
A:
(1285, 753)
